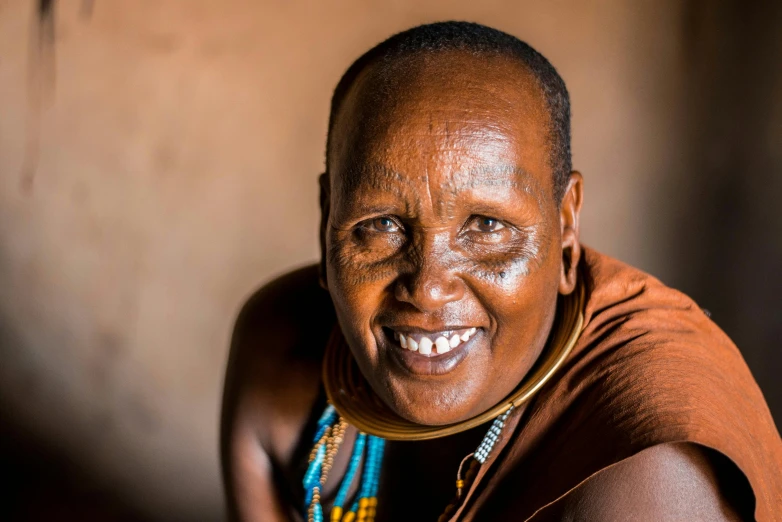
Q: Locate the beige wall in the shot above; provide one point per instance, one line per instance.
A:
(176, 171)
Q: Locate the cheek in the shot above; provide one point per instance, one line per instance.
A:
(354, 263)
(505, 280)
(519, 293)
(510, 265)
(356, 290)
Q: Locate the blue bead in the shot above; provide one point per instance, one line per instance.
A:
(367, 447)
(328, 412)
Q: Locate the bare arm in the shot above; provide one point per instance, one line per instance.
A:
(668, 482)
(246, 467)
(271, 382)
(247, 474)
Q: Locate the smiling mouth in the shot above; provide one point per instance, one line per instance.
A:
(431, 344)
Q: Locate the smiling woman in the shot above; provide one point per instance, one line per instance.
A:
(459, 346)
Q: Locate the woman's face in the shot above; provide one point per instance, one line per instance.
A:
(443, 241)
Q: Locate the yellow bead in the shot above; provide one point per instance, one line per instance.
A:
(336, 514)
(373, 501)
(350, 516)
(363, 502)
(362, 513)
(459, 484)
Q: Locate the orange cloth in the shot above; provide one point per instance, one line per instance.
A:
(649, 368)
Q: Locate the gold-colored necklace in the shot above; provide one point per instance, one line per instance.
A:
(350, 393)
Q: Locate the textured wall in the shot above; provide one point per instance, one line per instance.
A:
(158, 160)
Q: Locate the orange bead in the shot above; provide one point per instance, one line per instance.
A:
(336, 514)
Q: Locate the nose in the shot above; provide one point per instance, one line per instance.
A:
(432, 283)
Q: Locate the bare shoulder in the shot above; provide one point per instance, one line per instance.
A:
(674, 481)
(274, 363)
(281, 319)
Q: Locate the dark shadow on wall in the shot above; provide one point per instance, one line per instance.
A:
(40, 485)
(727, 235)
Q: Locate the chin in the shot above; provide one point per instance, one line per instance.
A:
(434, 417)
(432, 403)
(437, 388)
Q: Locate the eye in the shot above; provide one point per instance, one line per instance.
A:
(485, 224)
(382, 224)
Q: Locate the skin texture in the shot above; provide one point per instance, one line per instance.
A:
(438, 212)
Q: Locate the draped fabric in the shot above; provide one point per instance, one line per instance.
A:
(649, 368)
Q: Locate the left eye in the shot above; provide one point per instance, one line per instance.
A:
(384, 224)
(485, 224)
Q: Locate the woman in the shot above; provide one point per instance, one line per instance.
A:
(458, 355)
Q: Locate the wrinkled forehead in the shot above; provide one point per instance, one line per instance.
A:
(444, 112)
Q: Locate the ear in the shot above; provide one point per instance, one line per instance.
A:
(569, 213)
(325, 208)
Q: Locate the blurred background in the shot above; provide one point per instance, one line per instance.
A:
(158, 162)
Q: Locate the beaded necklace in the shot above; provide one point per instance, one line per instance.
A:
(330, 434)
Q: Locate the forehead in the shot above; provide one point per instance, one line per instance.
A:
(443, 114)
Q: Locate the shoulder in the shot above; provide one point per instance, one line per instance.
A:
(283, 313)
(275, 358)
(680, 481)
(282, 329)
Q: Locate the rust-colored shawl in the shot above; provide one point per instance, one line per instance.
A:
(649, 368)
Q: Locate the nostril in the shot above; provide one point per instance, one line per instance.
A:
(429, 291)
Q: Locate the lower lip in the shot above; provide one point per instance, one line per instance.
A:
(440, 364)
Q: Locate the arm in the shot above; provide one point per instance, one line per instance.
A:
(271, 383)
(246, 467)
(247, 473)
(668, 482)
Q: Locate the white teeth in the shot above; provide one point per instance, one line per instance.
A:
(425, 346)
(442, 345)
